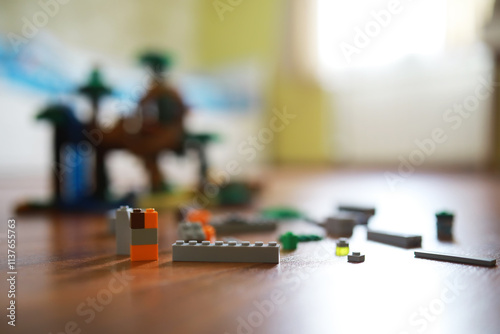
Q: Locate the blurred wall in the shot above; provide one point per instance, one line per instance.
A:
(257, 31)
(116, 28)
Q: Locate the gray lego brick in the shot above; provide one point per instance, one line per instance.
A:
(122, 230)
(144, 236)
(369, 211)
(190, 231)
(241, 224)
(341, 225)
(399, 240)
(226, 252)
(355, 257)
(455, 259)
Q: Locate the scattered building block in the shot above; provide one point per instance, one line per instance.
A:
(137, 219)
(203, 217)
(144, 241)
(190, 231)
(226, 252)
(342, 247)
(455, 259)
(341, 225)
(199, 216)
(355, 257)
(150, 218)
(237, 223)
(309, 237)
(144, 252)
(361, 214)
(289, 241)
(444, 225)
(399, 240)
(145, 236)
(369, 211)
(122, 230)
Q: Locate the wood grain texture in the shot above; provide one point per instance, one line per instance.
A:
(67, 262)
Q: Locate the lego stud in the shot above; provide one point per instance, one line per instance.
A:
(205, 242)
(124, 207)
(245, 243)
(193, 242)
(232, 243)
(179, 242)
(137, 210)
(150, 210)
(273, 243)
(219, 243)
(355, 257)
(259, 243)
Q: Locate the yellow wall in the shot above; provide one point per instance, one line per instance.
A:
(254, 30)
(305, 139)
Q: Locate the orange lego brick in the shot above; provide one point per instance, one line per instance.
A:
(143, 252)
(209, 231)
(198, 216)
(151, 218)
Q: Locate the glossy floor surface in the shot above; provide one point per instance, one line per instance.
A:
(70, 281)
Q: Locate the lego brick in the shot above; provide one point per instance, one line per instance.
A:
(309, 237)
(289, 241)
(150, 218)
(209, 231)
(369, 211)
(137, 219)
(444, 225)
(399, 240)
(235, 223)
(198, 216)
(145, 236)
(226, 252)
(143, 252)
(342, 247)
(190, 231)
(455, 259)
(122, 230)
(341, 225)
(355, 257)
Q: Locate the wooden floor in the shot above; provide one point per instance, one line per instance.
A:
(70, 281)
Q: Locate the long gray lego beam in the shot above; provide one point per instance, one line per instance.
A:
(455, 259)
(226, 252)
(399, 240)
